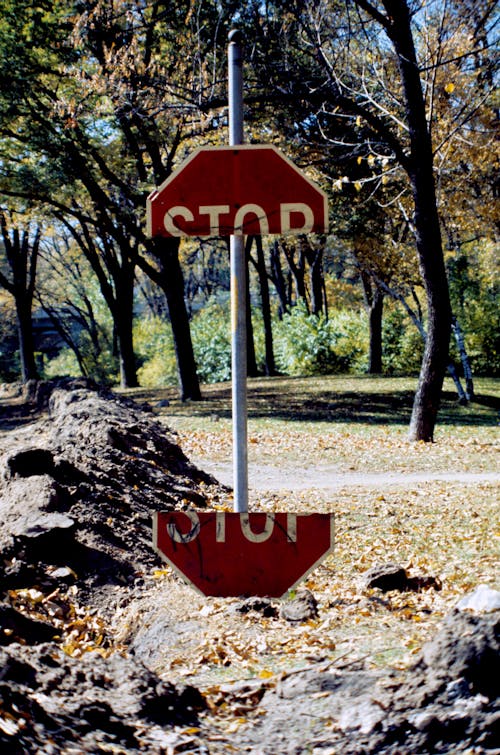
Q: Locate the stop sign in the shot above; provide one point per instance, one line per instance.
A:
(245, 189)
(232, 554)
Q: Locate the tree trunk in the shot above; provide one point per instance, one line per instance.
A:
(269, 366)
(122, 310)
(26, 341)
(464, 358)
(21, 253)
(124, 333)
(375, 322)
(374, 304)
(171, 280)
(462, 396)
(316, 280)
(298, 271)
(278, 279)
(251, 357)
(427, 230)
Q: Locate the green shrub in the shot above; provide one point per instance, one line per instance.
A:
(211, 334)
(482, 335)
(313, 345)
(103, 369)
(403, 346)
(154, 348)
(350, 328)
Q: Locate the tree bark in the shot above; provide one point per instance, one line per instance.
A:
(124, 334)
(374, 303)
(29, 369)
(278, 279)
(427, 230)
(316, 280)
(22, 258)
(269, 365)
(375, 323)
(252, 370)
(464, 358)
(169, 277)
(297, 270)
(123, 316)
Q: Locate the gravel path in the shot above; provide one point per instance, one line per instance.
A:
(329, 479)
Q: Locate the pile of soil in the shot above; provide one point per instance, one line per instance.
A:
(77, 491)
(78, 488)
(447, 702)
(51, 703)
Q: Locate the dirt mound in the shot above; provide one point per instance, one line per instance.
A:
(446, 703)
(78, 489)
(52, 703)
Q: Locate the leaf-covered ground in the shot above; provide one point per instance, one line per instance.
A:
(448, 529)
(445, 526)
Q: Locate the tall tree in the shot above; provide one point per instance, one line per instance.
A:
(361, 69)
(103, 113)
(21, 244)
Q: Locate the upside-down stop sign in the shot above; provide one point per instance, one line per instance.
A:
(232, 554)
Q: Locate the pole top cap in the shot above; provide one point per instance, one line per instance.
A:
(236, 36)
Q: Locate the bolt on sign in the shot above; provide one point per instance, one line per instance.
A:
(252, 554)
(241, 190)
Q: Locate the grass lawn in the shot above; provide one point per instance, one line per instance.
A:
(358, 423)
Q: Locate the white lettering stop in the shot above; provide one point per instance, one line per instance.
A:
(220, 528)
(295, 217)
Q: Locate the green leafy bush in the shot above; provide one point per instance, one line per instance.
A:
(154, 348)
(403, 345)
(211, 334)
(102, 368)
(312, 345)
(350, 329)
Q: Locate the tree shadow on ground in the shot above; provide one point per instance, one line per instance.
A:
(294, 401)
(298, 400)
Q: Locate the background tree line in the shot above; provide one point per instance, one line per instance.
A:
(389, 105)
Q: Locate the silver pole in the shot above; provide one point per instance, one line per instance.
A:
(238, 292)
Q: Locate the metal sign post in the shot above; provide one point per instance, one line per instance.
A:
(238, 292)
(232, 191)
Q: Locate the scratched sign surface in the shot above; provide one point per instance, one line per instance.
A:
(231, 554)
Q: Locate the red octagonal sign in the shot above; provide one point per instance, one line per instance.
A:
(232, 554)
(246, 189)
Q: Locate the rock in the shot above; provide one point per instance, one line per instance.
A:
(483, 600)
(466, 647)
(386, 577)
(259, 605)
(302, 607)
(22, 501)
(43, 536)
